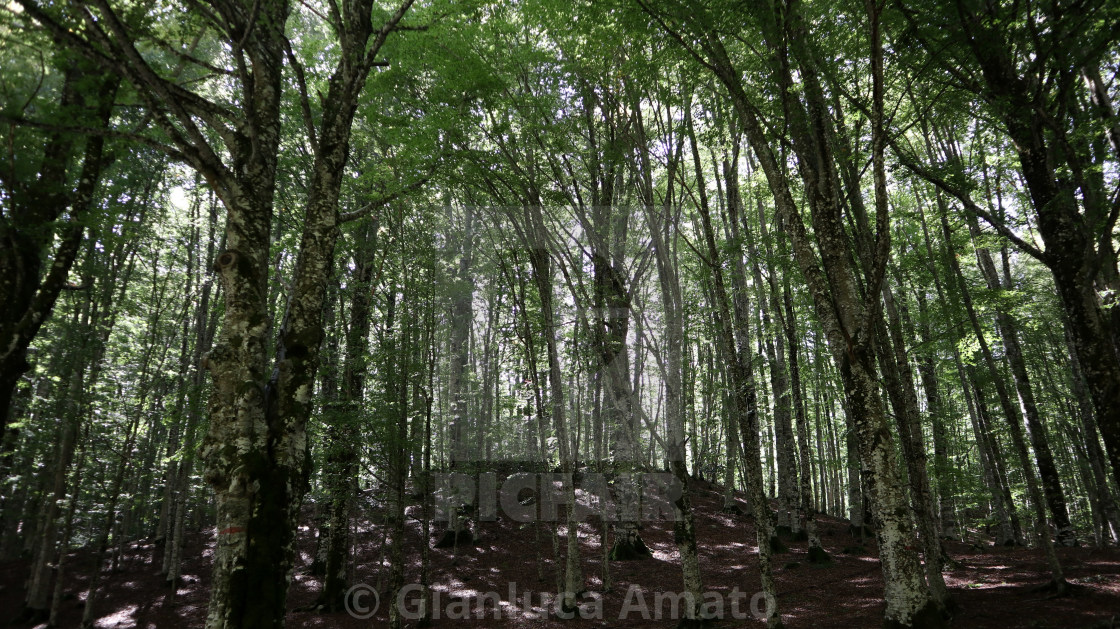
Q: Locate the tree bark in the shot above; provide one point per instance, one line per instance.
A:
(343, 450)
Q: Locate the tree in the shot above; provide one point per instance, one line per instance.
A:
(846, 315)
(1031, 78)
(62, 185)
(255, 449)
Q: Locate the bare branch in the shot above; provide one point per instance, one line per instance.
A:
(304, 102)
(966, 200)
(383, 34)
(383, 200)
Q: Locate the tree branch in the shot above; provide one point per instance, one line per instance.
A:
(383, 34)
(383, 200)
(131, 136)
(966, 200)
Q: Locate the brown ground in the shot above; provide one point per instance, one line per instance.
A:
(994, 587)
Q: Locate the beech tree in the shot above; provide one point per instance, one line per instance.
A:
(326, 275)
(1036, 81)
(256, 443)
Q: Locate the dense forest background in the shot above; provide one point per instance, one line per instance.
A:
(277, 276)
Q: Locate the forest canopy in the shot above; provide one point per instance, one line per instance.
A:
(307, 301)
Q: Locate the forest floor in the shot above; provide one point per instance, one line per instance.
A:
(995, 587)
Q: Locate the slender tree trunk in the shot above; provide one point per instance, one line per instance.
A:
(343, 450)
(990, 454)
(462, 315)
(1092, 443)
(788, 520)
(900, 384)
(36, 602)
(205, 323)
(542, 274)
(1036, 430)
(743, 409)
(934, 407)
(111, 518)
(1004, 510)
(398, 334)
(67, 532)
(662, 228)
(1042, 532)
(817, 553)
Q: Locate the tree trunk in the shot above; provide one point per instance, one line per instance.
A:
(841, 311)
(343, 450)
(788, 520)
(462, 318)
(1041, 529)
(744, 404)
(256, 447)
(36, 602)
(540, 260)
(900, 385)
(1036, 430)
(662, 228)
(1071, 242)
(27, 231)
(1097, 459)
(934, 407)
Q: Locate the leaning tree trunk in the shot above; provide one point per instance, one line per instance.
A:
(27, 234)
(1041, 529)
(1036, 430)
(893, 361)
